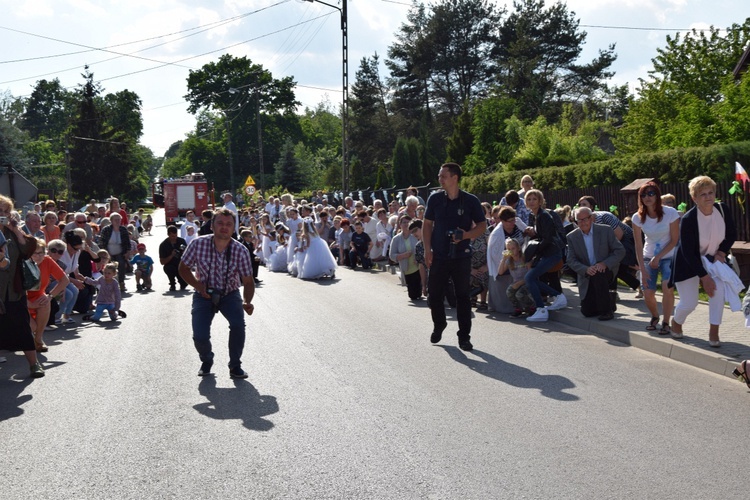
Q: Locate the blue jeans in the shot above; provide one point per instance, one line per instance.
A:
(100, 308)
(66, 305)
(203, 314)
(535, 286)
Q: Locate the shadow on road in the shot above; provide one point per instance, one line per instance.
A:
(243, 402)
(11, 389)
(551, 386)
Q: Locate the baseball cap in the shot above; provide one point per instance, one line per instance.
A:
(140, 246)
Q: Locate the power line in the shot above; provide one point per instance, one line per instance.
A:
(636, 28)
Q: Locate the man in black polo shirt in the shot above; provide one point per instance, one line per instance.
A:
(452, 219)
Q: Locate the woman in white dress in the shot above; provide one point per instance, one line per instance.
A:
(318, 261)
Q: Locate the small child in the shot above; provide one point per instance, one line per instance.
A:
(517, 292)
(144, 266)
(104, 259)
(108, 298)
(148, 223)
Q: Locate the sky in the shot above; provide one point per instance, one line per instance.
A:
(149, 46)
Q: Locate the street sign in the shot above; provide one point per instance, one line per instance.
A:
(250, 190)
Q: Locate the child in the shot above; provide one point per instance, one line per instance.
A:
(108, 298)
(144, 266)
(104, 259)
(148, 223)
(517, 292)
(415, 227)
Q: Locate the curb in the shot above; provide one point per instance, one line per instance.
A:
(667, 347)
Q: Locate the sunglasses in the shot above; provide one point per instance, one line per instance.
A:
(648, 194)
(52, 250)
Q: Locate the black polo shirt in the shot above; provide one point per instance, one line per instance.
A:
(447, 215)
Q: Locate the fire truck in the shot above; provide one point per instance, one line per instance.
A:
(178, 196)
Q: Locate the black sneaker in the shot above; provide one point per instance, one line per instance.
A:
(237, 373)
(436, 336)
(139, 287)
(205, 368)
(465, 345)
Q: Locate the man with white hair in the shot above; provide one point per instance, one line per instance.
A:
(229, 205)
(33, 225)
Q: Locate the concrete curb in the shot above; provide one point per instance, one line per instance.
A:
(676, 350)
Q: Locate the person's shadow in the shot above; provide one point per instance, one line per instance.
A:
(243, 402)
(551, 386)
(10, 394)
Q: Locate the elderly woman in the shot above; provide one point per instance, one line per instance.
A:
(507, 225)
(40, 301)
(51, 229)
(707, 230)
(549, 252)
(527, 183)
(116, 240)
(15, 326)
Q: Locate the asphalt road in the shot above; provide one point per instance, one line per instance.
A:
(347, 398)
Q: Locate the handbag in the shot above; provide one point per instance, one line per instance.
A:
(32, 276)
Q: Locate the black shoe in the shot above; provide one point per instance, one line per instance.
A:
(237, 373)
(465, 345)
(205, 368)
(436, 336)
(606, 316)
(172, 288)
(257, 281)
(183, 286)
(139, 287)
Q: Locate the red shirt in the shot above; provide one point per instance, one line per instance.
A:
(48, 268)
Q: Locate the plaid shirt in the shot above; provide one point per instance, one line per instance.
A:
(212, 266)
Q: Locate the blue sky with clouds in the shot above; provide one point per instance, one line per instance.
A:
(149, 46)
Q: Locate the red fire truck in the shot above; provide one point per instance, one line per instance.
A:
(178, 196)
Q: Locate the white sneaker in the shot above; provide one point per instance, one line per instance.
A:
(541, 314)
(559, 302)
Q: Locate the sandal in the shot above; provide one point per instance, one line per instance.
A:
(40, 347)
(665, 330)
(742, 375)
(652, 324)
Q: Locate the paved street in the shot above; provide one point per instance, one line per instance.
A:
(347, 398)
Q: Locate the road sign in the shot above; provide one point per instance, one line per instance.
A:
(250, 190)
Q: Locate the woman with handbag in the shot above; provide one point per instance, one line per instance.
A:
(15, 326)
(548, 253)
(706, 231)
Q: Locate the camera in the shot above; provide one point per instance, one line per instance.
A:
(4, 221)
(453, 246)
(216, 296)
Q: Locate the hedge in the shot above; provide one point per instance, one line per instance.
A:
(676, 165)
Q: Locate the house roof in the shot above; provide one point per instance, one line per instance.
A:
(742, 64)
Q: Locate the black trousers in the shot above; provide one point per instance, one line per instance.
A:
(441, 271)
(413, 285)
(598, 300)
(173, 274)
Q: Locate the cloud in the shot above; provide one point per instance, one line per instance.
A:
(30, 9)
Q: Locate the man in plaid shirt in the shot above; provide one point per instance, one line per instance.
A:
(222, 264)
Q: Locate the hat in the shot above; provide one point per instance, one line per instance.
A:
(140, 246)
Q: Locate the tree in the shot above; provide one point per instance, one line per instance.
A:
(11, 153)
(406, 162)
(237, 88)
(689, 98)
(460, 143)
(537, 58)
(48, 110)
(288, 174)
(371, 133)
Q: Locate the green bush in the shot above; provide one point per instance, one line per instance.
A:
(677, 165)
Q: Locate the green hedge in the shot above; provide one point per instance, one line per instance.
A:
(677, 165)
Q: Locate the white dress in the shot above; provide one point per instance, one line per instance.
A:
(299, 257)
(267, 244)
(290, 254)
(278, 261)
(318, 261)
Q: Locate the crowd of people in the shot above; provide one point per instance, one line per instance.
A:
(506, 258)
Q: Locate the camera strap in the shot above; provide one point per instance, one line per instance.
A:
(228, 253)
